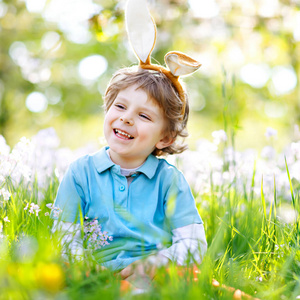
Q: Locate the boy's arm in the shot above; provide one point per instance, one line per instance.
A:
(188, 235)
(188, 245)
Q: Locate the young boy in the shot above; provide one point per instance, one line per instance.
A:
(142, 201)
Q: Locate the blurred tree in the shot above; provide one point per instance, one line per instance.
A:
(56, 58)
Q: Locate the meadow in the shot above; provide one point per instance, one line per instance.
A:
(56, 60)
(249, 202)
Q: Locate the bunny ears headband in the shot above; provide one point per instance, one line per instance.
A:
(141, 30)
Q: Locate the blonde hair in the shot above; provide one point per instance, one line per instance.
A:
(160, 89)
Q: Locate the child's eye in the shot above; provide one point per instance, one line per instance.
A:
(145, 117)
(121, 106)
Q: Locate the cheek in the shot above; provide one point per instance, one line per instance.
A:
(106, 123)
(150, 133)
(109, 116)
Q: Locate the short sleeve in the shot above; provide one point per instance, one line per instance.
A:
(70, 200)
(180, 207)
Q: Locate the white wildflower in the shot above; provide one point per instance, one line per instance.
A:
(296, 131)
(46, 138)
(56, 211)
(5, 194)
(287, 214)
(6, 219)
(1, 231)
(219, 136)
(4, 148)
(33, 208)
(206, 147)
(295, 148)
(270, 132)
(94, 236)
(268, 152)
(50, 205)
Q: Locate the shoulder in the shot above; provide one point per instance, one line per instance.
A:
(81, 162)
(165, 166)
(86, 163)
(168, 171)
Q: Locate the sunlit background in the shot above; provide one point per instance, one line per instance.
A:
(56, 58)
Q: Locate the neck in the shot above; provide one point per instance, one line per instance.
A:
(126, 163)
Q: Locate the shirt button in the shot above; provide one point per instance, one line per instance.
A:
(122, 188)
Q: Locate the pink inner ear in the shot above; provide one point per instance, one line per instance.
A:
(181, 64)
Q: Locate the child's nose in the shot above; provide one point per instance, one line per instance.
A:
(127, 120)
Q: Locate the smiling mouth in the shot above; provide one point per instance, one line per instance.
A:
(123, 134)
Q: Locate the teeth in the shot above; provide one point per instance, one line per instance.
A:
(123, 133)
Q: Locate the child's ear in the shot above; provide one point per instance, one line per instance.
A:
(165, 142)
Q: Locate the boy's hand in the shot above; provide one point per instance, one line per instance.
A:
(141, 272)
(139, 268)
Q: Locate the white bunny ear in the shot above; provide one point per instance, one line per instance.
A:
(180, 63)
(141, 29)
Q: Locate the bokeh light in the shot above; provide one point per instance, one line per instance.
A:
(92, 67)
(18, 52)
(249, 47)
(36, 102)
(204, 9)
(53, 95)
(3, 9)
(269, 8)
(275, 110)
(296, 32)
(284, 80)
(33, 69)
(255, 75)
(72, 17)
(51, 40)
(35, 6)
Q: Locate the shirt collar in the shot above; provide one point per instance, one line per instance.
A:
(103, 162)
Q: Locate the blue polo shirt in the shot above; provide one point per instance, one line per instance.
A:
(139, 217)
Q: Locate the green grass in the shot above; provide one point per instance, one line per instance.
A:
(249, 248)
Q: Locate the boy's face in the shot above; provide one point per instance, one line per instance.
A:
(133, 126)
